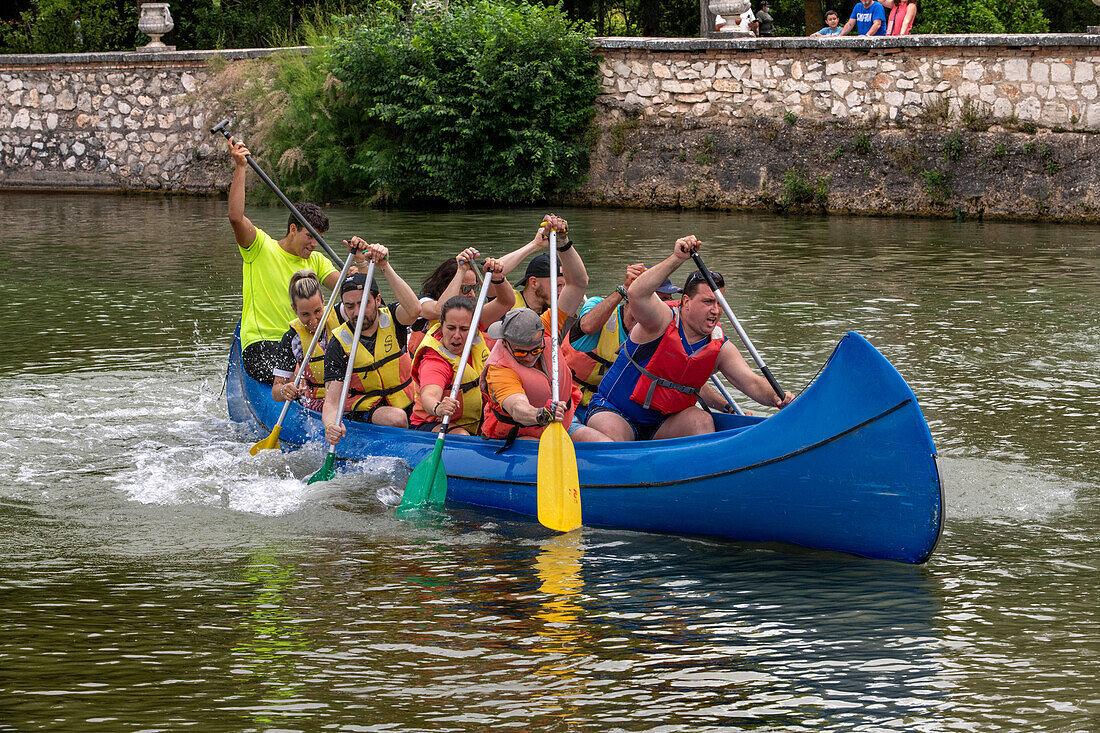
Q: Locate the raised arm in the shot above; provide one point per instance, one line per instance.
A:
(598, 315)
(243, 229)
(511, 260)
(431, 309)
(504, 297)
(646, 306)
(572, 267)
(408, 305)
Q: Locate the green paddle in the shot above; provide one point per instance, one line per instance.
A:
(272, 440)
(328, 470)
(428, 482)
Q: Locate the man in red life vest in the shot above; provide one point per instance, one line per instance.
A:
(651, 389)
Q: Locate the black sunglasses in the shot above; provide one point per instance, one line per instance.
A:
(697, 277)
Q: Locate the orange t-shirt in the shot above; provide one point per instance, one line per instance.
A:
(501, 382)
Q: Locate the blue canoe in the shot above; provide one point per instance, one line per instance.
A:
(849, 466)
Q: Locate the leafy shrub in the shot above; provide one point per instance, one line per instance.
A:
(800, 190)
(49, 27)
(980, 16)
(487, 102)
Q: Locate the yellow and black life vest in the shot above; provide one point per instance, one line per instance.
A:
(314, 377)
(378, 376)
(469, 394)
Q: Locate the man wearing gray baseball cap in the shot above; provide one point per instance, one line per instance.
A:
(516, 381)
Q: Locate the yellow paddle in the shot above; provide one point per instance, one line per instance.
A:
(272, 440)
(559, 492)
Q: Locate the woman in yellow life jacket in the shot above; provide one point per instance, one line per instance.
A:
(309, 305)
(380, 391)
(436, 360)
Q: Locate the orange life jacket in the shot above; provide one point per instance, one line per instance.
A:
(496, 423)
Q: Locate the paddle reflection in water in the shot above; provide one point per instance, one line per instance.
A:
(558, 567)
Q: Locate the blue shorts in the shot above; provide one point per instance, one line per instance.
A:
(642, 430)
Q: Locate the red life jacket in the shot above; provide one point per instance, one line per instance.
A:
(671, 380)
(496, 423)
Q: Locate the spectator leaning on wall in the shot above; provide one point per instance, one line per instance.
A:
(868, 18)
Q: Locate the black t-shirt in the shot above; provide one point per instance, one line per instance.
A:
(288, 355)
(336, 361)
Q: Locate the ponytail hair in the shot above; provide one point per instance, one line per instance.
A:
(303, 286)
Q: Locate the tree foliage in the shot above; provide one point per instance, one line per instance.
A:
(487, 101)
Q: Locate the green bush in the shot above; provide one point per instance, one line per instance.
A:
(49, 27)
(483, 102)
(980, 16)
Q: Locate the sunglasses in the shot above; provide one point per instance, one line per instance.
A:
(697, 277)
(466, 289)
(521, 353)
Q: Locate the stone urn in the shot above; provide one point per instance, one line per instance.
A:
(727, 9)
(154, 22)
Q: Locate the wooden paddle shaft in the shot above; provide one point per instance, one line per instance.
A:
(737, 325)
(222, 128)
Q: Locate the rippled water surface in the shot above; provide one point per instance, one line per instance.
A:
(155, 576)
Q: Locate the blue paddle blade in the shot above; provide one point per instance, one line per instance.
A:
(427, 483)
(326, 472)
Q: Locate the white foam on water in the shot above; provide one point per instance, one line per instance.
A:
(978, 488)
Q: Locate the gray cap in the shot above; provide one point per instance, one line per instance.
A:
(520, 327)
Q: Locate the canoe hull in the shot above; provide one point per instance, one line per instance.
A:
(848, 466)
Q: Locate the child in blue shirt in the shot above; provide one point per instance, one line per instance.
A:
(832, 28)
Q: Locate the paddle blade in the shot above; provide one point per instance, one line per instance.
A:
(559, 493)
(427, 483)
(268, 443)
(326, 472)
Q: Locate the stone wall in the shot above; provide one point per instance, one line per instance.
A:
(1047, 79)
(942, 125)
(958, 126)
(110, 121)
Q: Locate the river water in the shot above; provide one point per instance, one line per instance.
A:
(155, 576)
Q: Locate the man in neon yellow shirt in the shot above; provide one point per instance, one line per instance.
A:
(268, 267)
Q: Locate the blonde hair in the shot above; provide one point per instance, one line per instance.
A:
(303, 285)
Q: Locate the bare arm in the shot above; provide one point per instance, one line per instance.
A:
(848, 27)
(408, 305)
(243, 229)
(652, 314)
(874, 27)
(333, 431)
(734, 368)
(512, 259)
(597, 315)
(504, 298)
